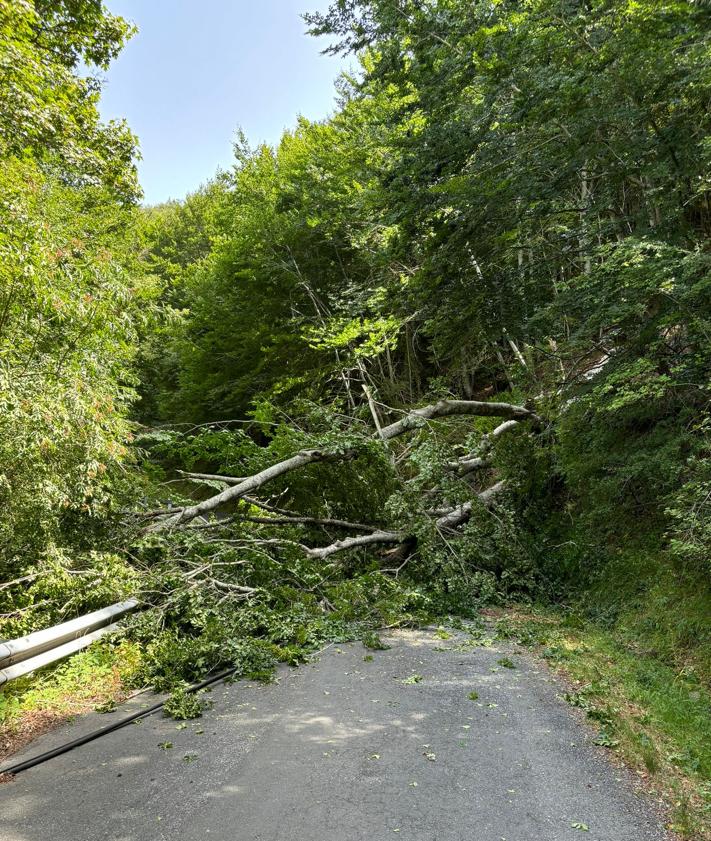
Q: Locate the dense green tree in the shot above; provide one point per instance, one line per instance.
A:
(505, 223)
(509, 199)
(284, 270)
(552, 198)
(48, 108)
(73, 299)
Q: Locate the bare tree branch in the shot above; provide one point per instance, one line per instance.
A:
(501, 428)
(462, 513)
(353, 542)
(373, 409)
(471, 462)
(6, 584)
(148, 515)
(307, 521)
(447, 408)
(268, 506)
(212, 477)
(251, 483)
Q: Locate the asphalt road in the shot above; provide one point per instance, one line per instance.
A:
(345, 749)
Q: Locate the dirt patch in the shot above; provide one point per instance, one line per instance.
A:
(32, 724)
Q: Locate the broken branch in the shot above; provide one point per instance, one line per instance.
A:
(251, 483)
(447, 408)
(353, 542)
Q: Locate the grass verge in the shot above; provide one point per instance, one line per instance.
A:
(654, 717)
(95, 678)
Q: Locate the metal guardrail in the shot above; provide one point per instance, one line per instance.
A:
(22, 656)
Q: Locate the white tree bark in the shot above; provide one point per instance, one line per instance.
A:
(469, 463)
(298, 520)
(251, 483)
(462, 513)
(323, 552)
(412, 420)
(212, 477)
(448, 408)
(453, 518)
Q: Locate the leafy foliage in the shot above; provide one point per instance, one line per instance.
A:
(73, 305)
(183, 705)
(511, 204)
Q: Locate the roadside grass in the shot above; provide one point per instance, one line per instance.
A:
(652, 715)
(98, 677)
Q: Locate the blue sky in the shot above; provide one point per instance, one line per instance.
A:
(197, 69)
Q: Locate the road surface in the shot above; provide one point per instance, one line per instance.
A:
(345, 749)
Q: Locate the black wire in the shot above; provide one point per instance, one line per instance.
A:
(103, 731)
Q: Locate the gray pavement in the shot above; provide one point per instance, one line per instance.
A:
(343, 750)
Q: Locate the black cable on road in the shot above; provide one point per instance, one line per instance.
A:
(103, 731)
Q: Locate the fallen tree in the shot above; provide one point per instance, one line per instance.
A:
(455, 517)
(448, 408)
(415, 419)
(449, 518)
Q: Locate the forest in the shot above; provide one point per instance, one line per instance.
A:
(448, 350)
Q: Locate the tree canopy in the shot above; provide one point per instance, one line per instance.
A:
(451, 345)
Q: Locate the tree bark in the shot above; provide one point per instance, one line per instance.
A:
(469, 463)
(326, 522)
(212, 477)
(412, 420)
(323, 552)
(466, 466)
(251, 483)
(462, 513)
(453, 518)
(448, 408)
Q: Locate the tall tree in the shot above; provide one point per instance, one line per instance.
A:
(72, 297)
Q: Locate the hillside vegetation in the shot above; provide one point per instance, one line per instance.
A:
(450, 347)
